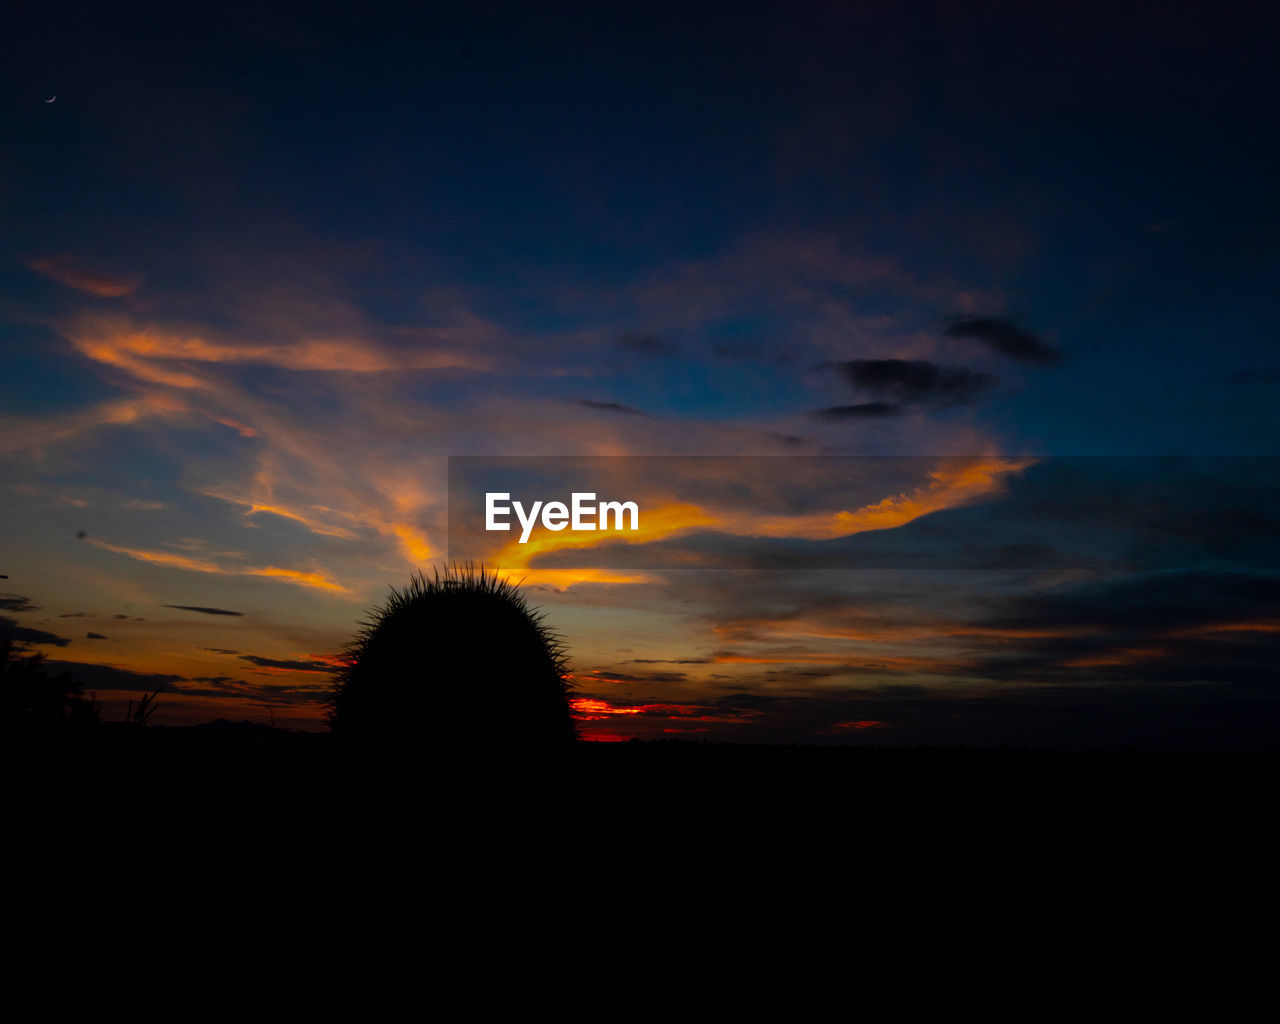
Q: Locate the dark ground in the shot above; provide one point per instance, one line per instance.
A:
(606, 835)
(254, 759)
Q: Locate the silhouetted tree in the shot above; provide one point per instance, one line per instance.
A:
(31, 699)
(456, 660)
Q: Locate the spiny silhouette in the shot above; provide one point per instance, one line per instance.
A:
(458, 660)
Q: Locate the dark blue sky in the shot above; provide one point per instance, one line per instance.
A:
(1106, 174)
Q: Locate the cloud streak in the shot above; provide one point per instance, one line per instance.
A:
(156, 356)
(74, 274)
(916, 382)
(609, 407)
(1002, 335)
(202, 610)
(311, 579)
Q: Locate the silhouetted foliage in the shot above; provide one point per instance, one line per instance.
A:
(30, 698)
(456, 660)
(139, 715)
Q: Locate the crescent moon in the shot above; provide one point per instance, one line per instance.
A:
(52, 98)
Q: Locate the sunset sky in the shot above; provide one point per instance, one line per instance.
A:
(264, 269)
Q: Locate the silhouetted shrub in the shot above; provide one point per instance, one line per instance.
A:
(31, 699)
(458, 660)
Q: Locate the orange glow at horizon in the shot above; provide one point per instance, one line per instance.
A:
(590, 707)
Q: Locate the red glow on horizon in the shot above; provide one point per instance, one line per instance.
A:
(860, 725)
(591, 708)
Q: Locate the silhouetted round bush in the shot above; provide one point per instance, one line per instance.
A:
(458, 660)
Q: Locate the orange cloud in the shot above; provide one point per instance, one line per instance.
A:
(654, 524)
(310, 522)
(316, 580)
(243, 429)
(588, 707)
(297, 468)
(73, 274)
(412, 542)
(953, 483)
(143, 351)
(1121, 656)
(169, 560)
(164, 558)
(1254, 626)
(17, 434)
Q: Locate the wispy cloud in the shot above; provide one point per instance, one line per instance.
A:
(311, 579)
(1003, 335)
(610, 407)
(153, 354)
(202, 610)
(74, 274)
(861, 411)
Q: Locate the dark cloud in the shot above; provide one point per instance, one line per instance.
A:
(915, 382)
(228, 686)
(1004, 336)
(203, 611)
(94, 636)
(74, 615)
(295, 666)
(218, 650)
(865, 411)
(10, 630)
(17, 603)
(647, 345)
(1154, 601)
(787, 439)
(625, 677)
(610, 407)
(108, 677)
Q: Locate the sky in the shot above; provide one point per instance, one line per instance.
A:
(960, 320)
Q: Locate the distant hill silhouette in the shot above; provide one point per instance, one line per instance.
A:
(455, 661)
